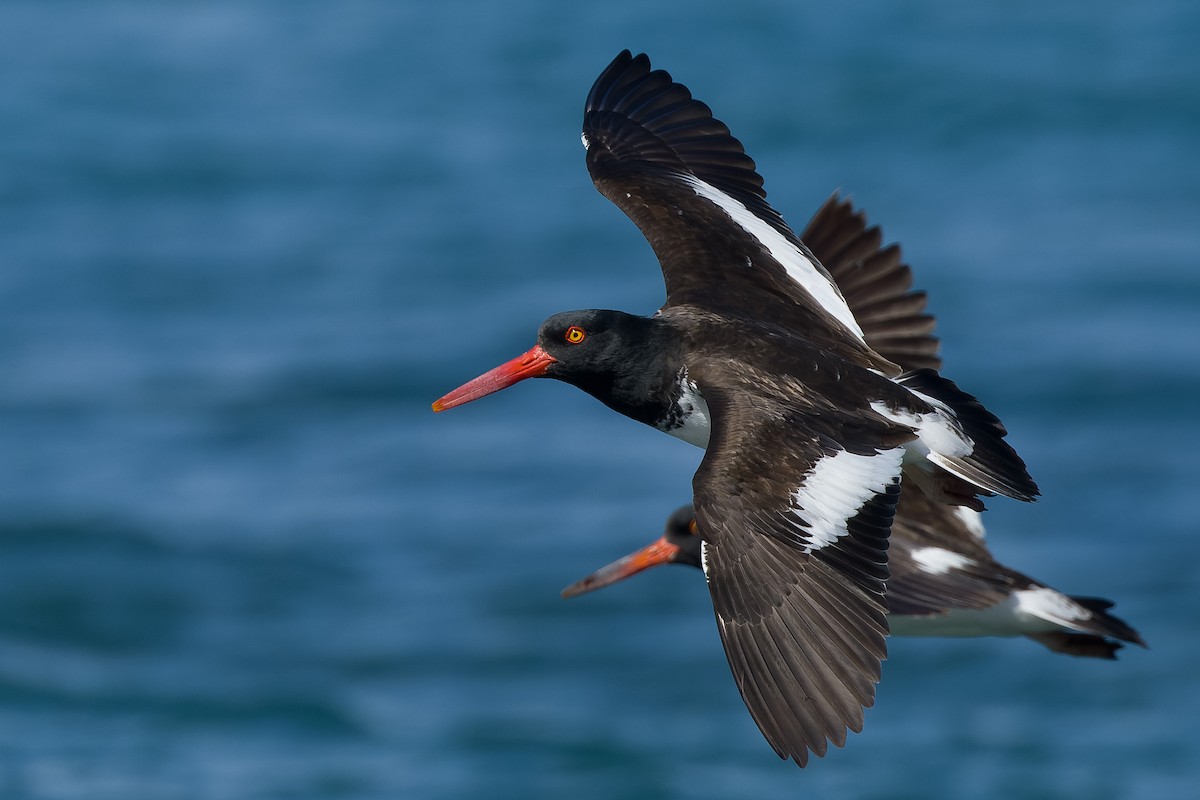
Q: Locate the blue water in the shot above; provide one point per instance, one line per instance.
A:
(243, 246)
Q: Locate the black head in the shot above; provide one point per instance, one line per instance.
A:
(682, 532)
(617, 358)
(593, 346)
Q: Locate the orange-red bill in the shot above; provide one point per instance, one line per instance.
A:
(531, 364)
(660, 552)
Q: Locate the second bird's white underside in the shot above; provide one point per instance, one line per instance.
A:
(1036, 610)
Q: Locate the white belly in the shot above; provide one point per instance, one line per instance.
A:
(1036, 610)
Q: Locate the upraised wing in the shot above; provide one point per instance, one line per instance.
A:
(660, 156)
(876, 284)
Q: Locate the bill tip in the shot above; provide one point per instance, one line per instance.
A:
(575, 589)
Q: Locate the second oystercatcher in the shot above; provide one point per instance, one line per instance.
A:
(756, 356)
(944, 582)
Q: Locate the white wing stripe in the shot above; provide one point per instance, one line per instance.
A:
(837, 487)
(798, 266)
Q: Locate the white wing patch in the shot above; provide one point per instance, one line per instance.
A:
(938, 560)
(972, 521)
(837, 487)
(797, 265)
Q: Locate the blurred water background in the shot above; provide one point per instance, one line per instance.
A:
(244, 245)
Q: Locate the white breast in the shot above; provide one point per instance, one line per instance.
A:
(693, 424)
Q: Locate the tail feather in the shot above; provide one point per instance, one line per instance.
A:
(1086, 630)
(992, 465)
(1103, 623)
(1085, 645)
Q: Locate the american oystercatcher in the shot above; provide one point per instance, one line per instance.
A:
(944, 582)
(756, 356)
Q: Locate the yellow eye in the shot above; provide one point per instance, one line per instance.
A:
(575, 334)
(692, 529)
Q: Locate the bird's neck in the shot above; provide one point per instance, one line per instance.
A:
(641, 382)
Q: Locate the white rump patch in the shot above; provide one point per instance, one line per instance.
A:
(937, 432)
(797, 265)
(938, 560)
(1044, 603)
(837, 487)
(940, 442)
(583, 138)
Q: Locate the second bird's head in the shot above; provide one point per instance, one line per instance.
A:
(679, 544)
